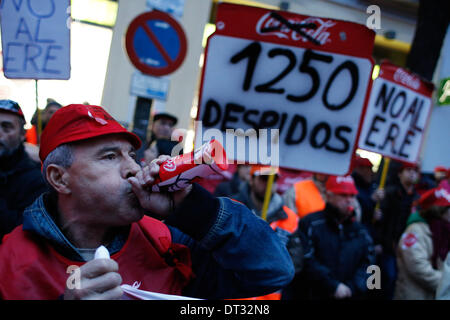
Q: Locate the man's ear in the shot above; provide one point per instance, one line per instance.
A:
(58, 178)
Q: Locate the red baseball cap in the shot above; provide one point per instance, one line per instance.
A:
(359, 161)
(435, 197)
(440, 169)
(407, 165)
(80, 122)
(341, 185)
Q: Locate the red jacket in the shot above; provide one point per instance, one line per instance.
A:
(32, 269)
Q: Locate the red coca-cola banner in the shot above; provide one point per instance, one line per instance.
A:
(294, 29)
(405, 78)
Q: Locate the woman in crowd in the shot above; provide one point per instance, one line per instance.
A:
(423, 247)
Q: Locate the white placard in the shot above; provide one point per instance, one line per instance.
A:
(285, 89)
(36, 39)
(397, 116)
(313, 135)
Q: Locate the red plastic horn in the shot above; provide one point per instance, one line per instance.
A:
(178, 172)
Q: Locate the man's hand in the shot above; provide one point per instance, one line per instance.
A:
(99, 280)
(342, 292)
(377, 214)
(158, 203)
(378, 195)
(378, 249)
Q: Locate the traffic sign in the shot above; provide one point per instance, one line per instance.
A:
(156, 43)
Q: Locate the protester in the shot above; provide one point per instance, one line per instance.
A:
(396, 208)
(207, 247)
(20, 177)
(163, 125)
(283, 220)
(307, 196)
(423, 247)
(368, 194)
(240, 177)
(337, 249)
(32, 134)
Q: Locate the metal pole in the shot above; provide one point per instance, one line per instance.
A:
(268, 194)
(39, 120)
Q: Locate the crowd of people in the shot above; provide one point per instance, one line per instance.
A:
(87, 181)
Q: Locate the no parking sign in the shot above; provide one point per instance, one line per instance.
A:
(156, 43)
(308, 77)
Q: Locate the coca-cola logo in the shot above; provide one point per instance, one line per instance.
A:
(169, 165)
(409, 240)
(346, 179)
(269, 25)
(407, 79)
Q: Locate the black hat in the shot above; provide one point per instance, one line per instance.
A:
(160, 115)
(11, 107)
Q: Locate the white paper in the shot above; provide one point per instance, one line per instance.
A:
(148, 295)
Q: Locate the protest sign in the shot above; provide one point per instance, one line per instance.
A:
(36, 39)
(397, 114)
(306, 77)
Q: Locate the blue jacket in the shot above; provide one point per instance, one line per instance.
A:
(234, 253)
(335, 252)
(21, 183)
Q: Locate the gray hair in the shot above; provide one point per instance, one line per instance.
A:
(62, 156)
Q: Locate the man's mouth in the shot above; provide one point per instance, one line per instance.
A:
(134, 201)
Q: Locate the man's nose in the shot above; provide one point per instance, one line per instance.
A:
(131, 167)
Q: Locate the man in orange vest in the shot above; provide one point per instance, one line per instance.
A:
(206, 247)
(282, 219)
(307, 196)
